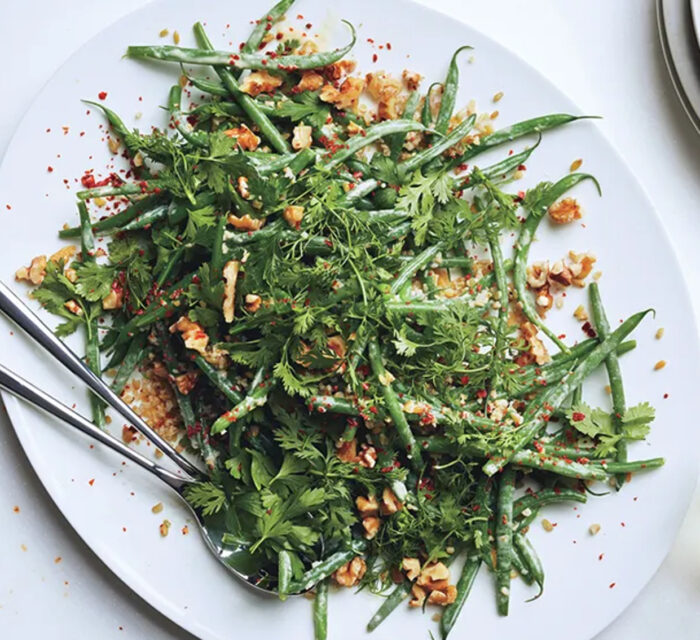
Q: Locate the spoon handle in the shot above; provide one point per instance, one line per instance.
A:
(21, 315)
(17, 386)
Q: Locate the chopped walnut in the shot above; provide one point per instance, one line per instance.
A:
(412, 567)
(580, 313)
(537, 274)
(258, 82)
(354, 129)
(537, 348)
(242, 184)
(368, 456)
(196, 338)
(293, 214)
(310, 81)
(582, 269)
(411, 79)
(371, 525)
(246, 223)
(35, 273)
(347, 96)
(347, 451)
(302, 137)
(385, 89)
(307, 47)
(185, 382)
(560, 274)
(367, 506)
(565, 211)
(245, 138)
(337, 345)
(252, 302)
(419, 595)
(350, 573)
(390, 503)
(230, 273)
(115, 298)
(71, 274)
(435, 572)
(443, 598)
(337, 70)
(65, 254)
(544, 300)
(73, 307)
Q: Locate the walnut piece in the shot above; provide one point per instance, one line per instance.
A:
(302, 137)
(390, 503)
(350, 573)
(412, 567)
(310, 81)
(115, 298)
(367, 506)
(245, 138)
(246, 223)
(371, 525)
(185, 382)
(35, 273)
(411, 79)
(293, 214)
(252, 302)
(230, 273)
(565, 211)
(537, 274)
(347, 96)
(258, 82)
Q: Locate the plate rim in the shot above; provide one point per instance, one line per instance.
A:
(13, 405)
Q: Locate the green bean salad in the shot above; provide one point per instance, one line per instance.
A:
(337, 299)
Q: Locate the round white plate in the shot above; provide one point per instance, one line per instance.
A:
(590, 580)
(678, 26)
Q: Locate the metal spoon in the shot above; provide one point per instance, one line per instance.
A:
(235, 558)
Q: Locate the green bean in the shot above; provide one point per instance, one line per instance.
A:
(527, 234)
(518, 563)
(360, 190)
(284, 573)
(216, 89)
(118, 126)
(373, 133)
(240, 60)
(321, 611)
(217, 254)
(134, 355)
(262, 26)
(396, 141)
(174, 258)
(147, 219)
(324, 404)
(449, 93)
(517, 130)
(612, 364)
(464, 586)
(326, 567)
(537, 414)
(437, 149)
(511, 163)
(560, 466)
(394, 407)
(502, 286)
(427, 112)
(118, 219)
(256, 397)
(218, 379)
(531, 560)
(92, 345)
(178, 119)
(631, 466)
(302, 160)
(243, 238)
(504, 538)
(247, 103)
(532, 502)
(126, 189)
(416, 264)
(393, 600)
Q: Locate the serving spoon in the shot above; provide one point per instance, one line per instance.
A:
(235, 558)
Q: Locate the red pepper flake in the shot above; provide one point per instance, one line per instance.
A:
(665, 396)
(388, 45)
(612, 585)
(15, 509)
(600, 557)
(102, 95)
(91, 482)
(8, 207)
(622, 524)
(49, 169)
(481, 394)
(374, 57)
(577, 416)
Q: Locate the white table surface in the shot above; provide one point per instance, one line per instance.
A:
(604, 54)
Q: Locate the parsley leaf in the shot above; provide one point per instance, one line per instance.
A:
(207, 497)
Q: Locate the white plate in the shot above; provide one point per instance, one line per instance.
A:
(678, 26)
(176, 574)
(695, 11)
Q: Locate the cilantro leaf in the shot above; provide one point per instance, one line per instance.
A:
(636, 421)
(94, 280)
(590, 422)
